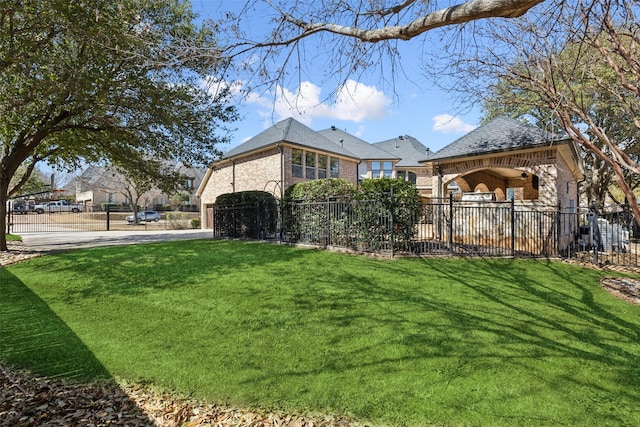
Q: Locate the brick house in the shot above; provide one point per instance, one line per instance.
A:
(510, 160)
(395, 158)
(503, 159)
(290, 152)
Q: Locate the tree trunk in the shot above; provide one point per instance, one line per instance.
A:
(4, 191)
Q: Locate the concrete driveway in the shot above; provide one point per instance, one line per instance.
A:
(61, 240)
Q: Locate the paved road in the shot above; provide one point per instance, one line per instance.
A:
(86, 239)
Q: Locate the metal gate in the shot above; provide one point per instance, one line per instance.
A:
(22, 219)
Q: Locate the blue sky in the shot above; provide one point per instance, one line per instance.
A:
(412, 106)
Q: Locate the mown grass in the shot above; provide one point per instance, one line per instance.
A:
(13, 238)
(395, 342)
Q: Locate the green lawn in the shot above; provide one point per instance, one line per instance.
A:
(396, 342)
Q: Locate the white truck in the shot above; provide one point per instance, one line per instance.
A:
(58, 206)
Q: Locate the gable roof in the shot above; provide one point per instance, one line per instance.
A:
(407, 148)
(357, 146)
(291, 131)
(500, 134)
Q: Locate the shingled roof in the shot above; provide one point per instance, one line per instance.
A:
(357, 146)
(407, 148)
(498, 135)
(290, 131)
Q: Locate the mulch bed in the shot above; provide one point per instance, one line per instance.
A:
(28, 400)
(627, 289)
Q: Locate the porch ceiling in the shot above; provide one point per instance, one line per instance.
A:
(500, 172)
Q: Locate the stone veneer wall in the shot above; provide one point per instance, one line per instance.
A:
(566, 186)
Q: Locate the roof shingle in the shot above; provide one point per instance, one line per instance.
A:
(355, 145)
(500, 134)
(407, 148)
(291, 131)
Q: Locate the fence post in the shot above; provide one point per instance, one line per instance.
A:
(513, 227)
(280, 205)
(213, 221)
(391, 237)
(258, 221)
(328, 222)
(450, 238)
(233, 220)
(594, 232)
(109, 217)
(558, 228)
(9, 209)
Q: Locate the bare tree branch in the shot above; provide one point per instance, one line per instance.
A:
(454, 15)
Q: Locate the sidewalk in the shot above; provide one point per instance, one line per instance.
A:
(35, 244)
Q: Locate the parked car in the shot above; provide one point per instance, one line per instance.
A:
(58, 206)
(145, 216)
(20, 207)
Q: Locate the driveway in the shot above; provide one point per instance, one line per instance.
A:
(43, 242)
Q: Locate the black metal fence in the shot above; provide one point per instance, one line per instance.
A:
(27, 218)
(443, 227)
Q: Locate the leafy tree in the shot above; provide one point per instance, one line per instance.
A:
(102, 80)
(138, 185)
(34, 183)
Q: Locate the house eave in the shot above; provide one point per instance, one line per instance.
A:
(529, 148)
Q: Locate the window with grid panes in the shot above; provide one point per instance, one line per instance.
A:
(296, 163)
(335, 167)
(310, 165)
(322, 166)
(387, 169)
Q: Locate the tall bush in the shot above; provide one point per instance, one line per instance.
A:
(320, 190)
(308, 216)
(246, 214)
(390, 201)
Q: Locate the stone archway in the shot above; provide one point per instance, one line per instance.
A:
(505, 183)
(481, 188)
(516, 175)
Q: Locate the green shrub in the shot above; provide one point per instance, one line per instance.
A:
(177, 220)
(195, 223)
(389, 199)
(308, 217)
(320, 190)
(246, 214)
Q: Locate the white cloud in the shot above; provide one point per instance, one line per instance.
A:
(446, 123)
(355, 102)
(214, 85)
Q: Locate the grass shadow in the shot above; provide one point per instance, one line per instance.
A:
(34, 339)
